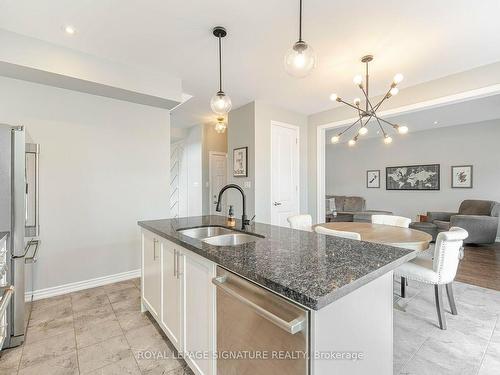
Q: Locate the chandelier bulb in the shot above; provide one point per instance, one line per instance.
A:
(387, 139)
(394, 91)
(334, 97)
(358, 79)
(363, 130)
(351, 142)
(402, 129)
(357, 101)
(335, 139)
(398, 78)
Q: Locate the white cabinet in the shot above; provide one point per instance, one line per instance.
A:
(151, 273)
(199, 312)
(177, 289)
(172, 309)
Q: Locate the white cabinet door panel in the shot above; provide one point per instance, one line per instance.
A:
(199, 311)
(172, 308)
(151, 272)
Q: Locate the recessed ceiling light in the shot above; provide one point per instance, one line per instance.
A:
(70, 30)
(435, 122)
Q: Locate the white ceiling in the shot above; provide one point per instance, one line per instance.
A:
(470, 111)
(423, 39)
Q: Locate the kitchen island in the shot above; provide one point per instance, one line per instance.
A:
(344, 286)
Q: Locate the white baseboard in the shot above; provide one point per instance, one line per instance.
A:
(80, 285)
(497, 239)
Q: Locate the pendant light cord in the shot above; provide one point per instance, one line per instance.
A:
(220, 64)
(300, 20)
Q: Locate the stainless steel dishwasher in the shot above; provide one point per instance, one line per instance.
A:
(258, 332)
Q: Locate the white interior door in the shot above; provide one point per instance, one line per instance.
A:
(284, 172)
(218, 179)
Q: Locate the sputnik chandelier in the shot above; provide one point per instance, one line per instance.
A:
(369, 111)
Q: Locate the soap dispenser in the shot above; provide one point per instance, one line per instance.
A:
(231, 221)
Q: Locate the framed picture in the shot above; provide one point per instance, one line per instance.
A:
(240, 162)
(413, 177)
(461, 176)
(373, 179)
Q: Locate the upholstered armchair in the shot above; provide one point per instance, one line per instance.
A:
(478, 217)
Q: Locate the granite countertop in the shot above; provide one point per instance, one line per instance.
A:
(3, 234)
(308, 268)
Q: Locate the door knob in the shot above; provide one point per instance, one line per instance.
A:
(277, 203)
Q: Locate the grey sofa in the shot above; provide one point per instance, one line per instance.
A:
(349, 209)
(478, 217)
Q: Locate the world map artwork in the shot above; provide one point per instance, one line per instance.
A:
(413, 177)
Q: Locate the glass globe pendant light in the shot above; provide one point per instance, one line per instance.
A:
(220, 125)
(220, 102)
(300, 60)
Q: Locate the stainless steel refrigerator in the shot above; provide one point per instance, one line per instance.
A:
(19, 221)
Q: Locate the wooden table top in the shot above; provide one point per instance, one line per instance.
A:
(385, 234)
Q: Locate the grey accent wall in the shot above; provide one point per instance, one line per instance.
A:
(241, 133)
(473, 79)
(475, 144)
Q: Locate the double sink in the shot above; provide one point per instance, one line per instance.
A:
(219, 236)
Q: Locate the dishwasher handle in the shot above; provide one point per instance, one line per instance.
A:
(292, 327)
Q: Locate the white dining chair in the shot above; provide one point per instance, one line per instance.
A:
(337, 233)
(301, 222)
(440, 270)
(395, 221)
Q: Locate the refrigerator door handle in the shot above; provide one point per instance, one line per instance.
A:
(27, 248)
(32, 204)
(33, 258)
(7, 295)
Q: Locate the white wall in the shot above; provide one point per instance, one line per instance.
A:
(212, 141)
(104, 165)
(475, 144)
(193, 169)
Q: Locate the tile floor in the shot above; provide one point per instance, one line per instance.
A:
(102, 331)
(470, 345)
(94, 331)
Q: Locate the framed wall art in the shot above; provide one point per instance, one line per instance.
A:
(461, 176)
(413, 177)
(240, 162)
(373, 179)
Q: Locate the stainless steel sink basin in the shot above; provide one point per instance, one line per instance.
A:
(230, 239)
(205, 232)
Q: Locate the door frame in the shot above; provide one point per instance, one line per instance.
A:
(211, 154)
(297, 167)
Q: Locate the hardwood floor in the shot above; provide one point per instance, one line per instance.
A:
(481, 266)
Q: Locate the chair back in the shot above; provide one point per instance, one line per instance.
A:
(447, 253)
(337, 233)
(395, 221)
(478, 207)
(301, 222)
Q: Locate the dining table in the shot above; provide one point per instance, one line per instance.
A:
(384, 234)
